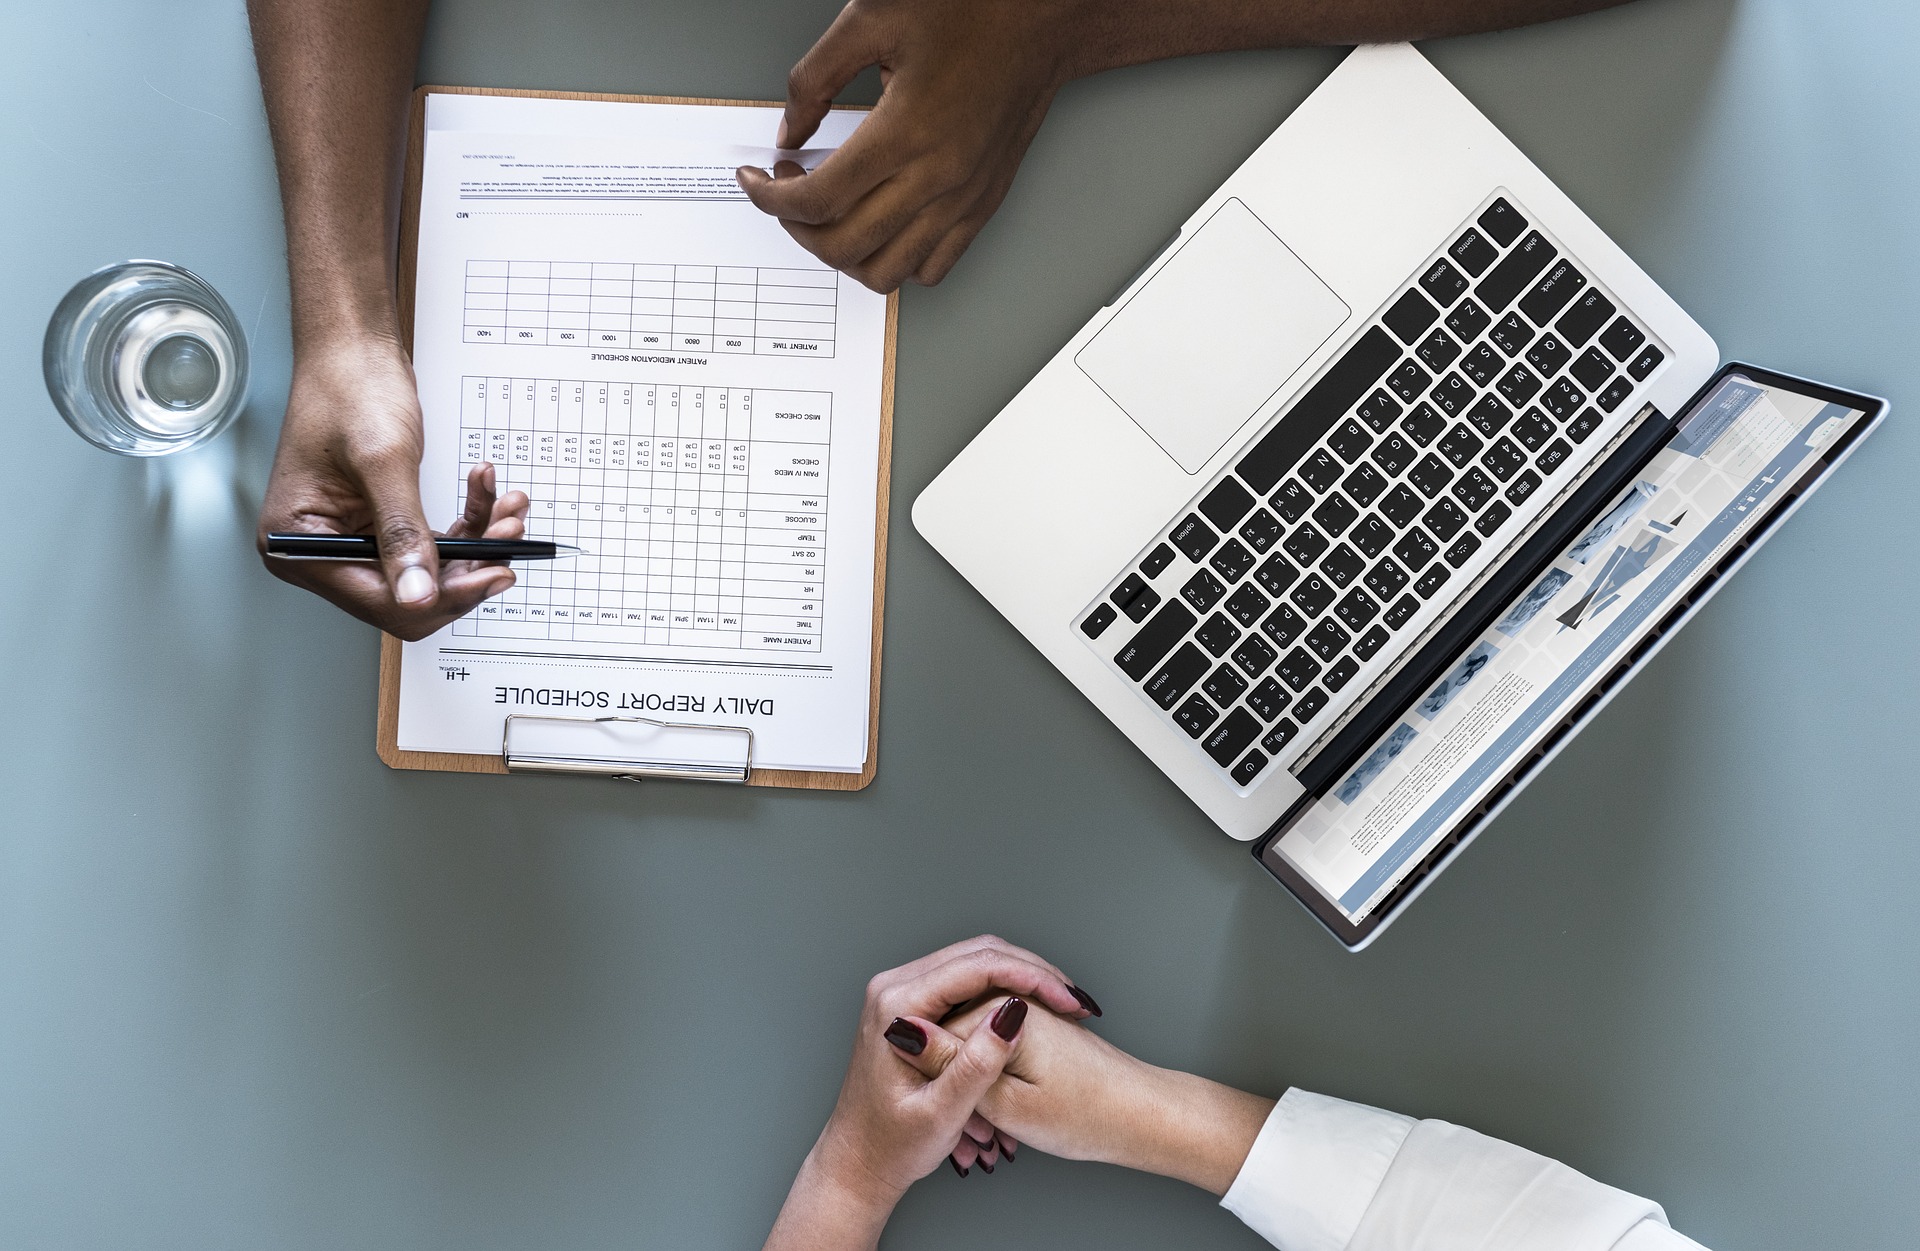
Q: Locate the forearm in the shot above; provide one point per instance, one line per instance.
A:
(1192, 1129)
(1106, 34)
(336, 75)
(833, 1204)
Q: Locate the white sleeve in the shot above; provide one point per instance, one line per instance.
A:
(1327, 1175)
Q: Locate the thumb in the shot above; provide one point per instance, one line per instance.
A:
(407, 554)
(976, 1064)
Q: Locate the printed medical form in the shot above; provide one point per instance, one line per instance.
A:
(682, 391)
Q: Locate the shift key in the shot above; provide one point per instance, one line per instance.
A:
(1155, 639)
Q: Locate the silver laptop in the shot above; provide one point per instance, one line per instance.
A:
(1291, 475)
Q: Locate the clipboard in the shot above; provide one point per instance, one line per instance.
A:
(632, 748)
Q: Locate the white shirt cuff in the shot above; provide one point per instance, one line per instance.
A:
(1314, 1169)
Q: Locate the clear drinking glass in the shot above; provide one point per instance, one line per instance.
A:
(144, 358)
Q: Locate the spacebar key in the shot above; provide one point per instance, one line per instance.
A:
(1155, 639)
(1315, 413)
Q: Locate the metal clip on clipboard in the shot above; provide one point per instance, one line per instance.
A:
(629, 748)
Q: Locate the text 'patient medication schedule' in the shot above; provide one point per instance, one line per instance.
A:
(683, 392)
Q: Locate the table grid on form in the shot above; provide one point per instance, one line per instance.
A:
(702, 509)
(678, 308)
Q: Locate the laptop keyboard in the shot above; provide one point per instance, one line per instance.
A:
(1445, 425)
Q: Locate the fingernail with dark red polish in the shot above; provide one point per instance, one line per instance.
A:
(956, 1166)
(907, 1036)
(1086, 1000)
(986, 1166)
(1008, 1017)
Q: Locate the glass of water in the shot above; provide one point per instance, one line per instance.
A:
(144, 358)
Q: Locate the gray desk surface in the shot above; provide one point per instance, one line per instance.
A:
(256, 990)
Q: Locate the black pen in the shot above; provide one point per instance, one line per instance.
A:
(366, 547)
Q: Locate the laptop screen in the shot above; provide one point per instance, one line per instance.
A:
(1734, 458)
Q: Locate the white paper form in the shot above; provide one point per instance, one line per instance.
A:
(681, 390)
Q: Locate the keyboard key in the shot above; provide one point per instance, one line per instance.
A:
(1335, 514)
(1284, 626)
(1460, 446)
(1155, 639)
(1551, 459)
(1298, 668)
(1502, 221)
(1562, 399)
(1370, 537)
(1424, 424)
(1248, 768)
(1523, 486)
(1276, 575)
(1203, 590)
(1512, 334)
(1143, 601)
(1489, 415)
(1622, 339)
(1401, 506)
(1463, 548)
(1386, 578)
(1593, 369)
(1342, 565)
(1350, 440)
(1432, 580)
(1254, 655)
(1327, 639)
(1532, 430)
(1247, 605)
(1196, 715)
(1443, 283)
(1416, 547)
(1312, 595)
(1217, 634)
(1519, 385)
(1585, 424)
(1410, 315)
(1616, 393)
(1291, 500)
(1491, 520)
(1177, 676)
(1409, 380)
(1193, 538)
(1128, 590)
(1548, 354)
(1558, 285)
(1474, 489)
(1467, 321)
(1305, 544)
(1261, 530)
(1514, 274)
(1431, 475)
(1474, 253)
(1445, 519)
(1584, 319)
(1368, 645)
(1224, 685)
(1451, 394)
(1310, 704)
(1320, 471)
(1401, 612)
(1340, 673)
(1279, 736)
(1438, 350)
(1363, 485)
(1393, 454)
(1226, 504)
(1504, 459)
(1098, 620)
(1232, 560)
(1379, 411)
(1155, 562)
(1355, 609)
(1316, 412)
(1645, 363)
(1483, 365)
(1269, 699)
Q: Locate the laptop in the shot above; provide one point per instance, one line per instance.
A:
(1386, 392)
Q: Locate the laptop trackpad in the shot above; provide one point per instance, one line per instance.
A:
(1223, 325)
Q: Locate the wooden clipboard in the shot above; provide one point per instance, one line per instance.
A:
(387, 736)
